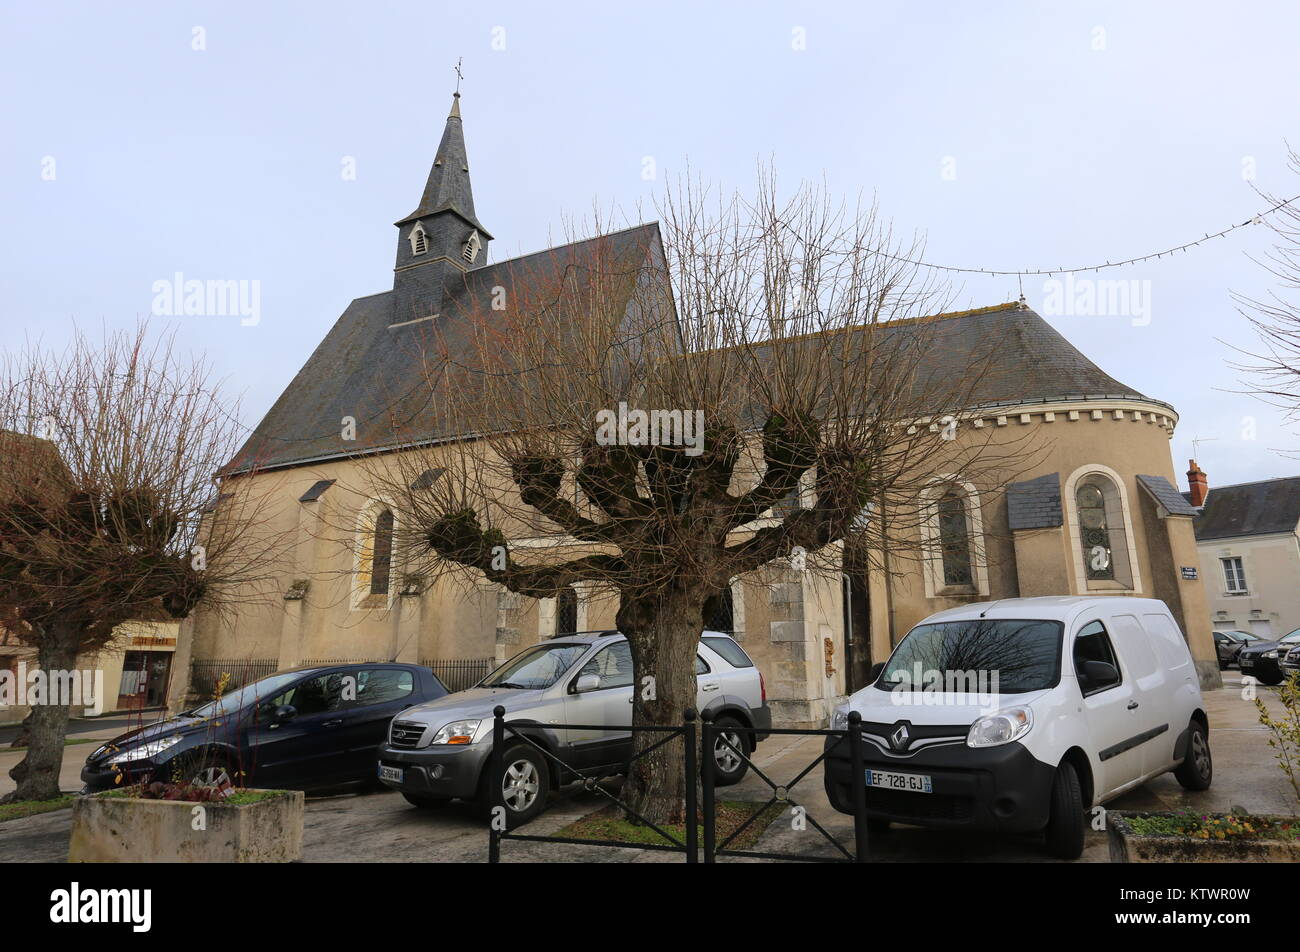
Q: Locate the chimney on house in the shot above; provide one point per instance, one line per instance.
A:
(1198, 483)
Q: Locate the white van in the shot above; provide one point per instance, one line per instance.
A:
(1021, 714)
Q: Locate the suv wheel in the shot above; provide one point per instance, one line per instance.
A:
(729, 767)
(1066, 820)
(520, 788)
(1197, 769)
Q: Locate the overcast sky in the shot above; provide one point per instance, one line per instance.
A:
(277, 143)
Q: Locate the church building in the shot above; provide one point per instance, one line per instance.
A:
(1103, 483)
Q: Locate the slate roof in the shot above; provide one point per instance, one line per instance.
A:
(1035, 503)
(1168, 496)
(1268, 506)
(377, 374)
(369, 371)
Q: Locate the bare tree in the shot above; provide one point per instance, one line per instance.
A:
(744, 393)
(109, 510)
(1275, 365)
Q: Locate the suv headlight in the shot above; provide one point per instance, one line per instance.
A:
(146, 750)
(840, 719)
(1003, 727)
(457, 732)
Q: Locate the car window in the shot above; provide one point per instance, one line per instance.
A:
(1290, 639)
(731, 652)
(381, 685)
(1092, 643)
(613, 665)
(701, 666)
(315, 695)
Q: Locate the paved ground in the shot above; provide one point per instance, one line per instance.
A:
(382, 827)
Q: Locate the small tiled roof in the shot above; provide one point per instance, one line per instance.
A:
(1035, 503)
(1168, 496)
(1268, 506)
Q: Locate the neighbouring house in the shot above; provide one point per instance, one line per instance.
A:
(1248, 536)
(1097, 513)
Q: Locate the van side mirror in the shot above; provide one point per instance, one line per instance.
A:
(586, 682)
(1099, 674)
(874, 673)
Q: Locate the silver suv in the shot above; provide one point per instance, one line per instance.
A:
(439, 750)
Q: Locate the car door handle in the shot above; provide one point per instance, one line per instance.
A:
(334, 723)
(709, 687)
(1132, 705)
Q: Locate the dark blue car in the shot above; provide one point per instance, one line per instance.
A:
(303, 728)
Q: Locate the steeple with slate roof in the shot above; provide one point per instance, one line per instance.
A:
(443, 238)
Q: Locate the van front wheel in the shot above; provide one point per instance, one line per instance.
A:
(1066, 821)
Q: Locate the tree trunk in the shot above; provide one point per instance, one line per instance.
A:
(37, 774)
(663, 635)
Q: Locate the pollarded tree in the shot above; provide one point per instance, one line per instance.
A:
(749, 385)
(109, 511)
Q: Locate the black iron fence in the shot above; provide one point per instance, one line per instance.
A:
(206, 676)
(457, 674)
(701, 819)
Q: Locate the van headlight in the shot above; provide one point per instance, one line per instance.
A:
(457, 732)
(1003, 727)
(840, 719)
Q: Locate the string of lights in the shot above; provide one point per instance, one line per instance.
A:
(996, 272)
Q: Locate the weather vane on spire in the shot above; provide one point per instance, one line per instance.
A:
(459, 74)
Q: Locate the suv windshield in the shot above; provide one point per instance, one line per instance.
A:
(988, 656)
(538, 667)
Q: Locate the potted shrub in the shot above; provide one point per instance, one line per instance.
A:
(1236, 837)
(187, 823)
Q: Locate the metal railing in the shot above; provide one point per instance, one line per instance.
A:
(700, 827)
(457, 674)
(206, 675)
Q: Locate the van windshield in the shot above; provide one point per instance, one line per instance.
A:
(977, 655)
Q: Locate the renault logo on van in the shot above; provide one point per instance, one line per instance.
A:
(901, 736)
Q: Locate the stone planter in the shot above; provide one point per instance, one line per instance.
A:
(116, 829)
(1129, 847)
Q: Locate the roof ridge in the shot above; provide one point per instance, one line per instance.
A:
(573, 244)
(1254, 482)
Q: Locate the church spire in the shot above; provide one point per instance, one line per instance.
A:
(448, 188)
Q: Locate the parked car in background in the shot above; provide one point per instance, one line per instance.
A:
(1227, 648)
(439, 750)
(1228, 643)
(1290, 662)
(1262, 659)
(306, 727)
(1094, 696)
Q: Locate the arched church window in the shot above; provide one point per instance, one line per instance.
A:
(954, 539)
(1097, 502)
(381, 553)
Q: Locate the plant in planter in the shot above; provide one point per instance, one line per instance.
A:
(199, 815)
(187, 823)
(1285, 728)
